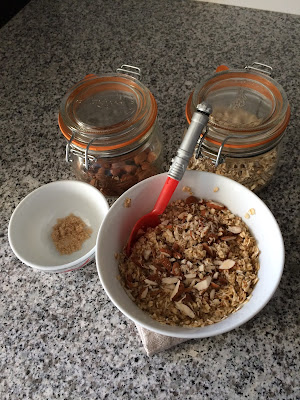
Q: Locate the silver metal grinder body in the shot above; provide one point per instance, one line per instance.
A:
(187, 147)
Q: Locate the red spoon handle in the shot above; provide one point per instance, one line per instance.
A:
(165, 195)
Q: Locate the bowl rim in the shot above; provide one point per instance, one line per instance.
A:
(190, 333)
(78, 262)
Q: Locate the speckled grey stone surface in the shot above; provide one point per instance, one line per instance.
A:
(61, 337)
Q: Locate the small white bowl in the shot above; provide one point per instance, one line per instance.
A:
(30, 226)
(119, 221)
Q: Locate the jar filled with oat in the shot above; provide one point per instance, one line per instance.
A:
(243, 136)
(113, 136)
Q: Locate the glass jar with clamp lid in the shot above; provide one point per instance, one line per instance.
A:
(243, 136)
(112, 132)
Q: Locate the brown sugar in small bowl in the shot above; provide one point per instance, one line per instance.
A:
(32, 222)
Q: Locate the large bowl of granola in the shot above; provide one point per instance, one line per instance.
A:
(213, 262)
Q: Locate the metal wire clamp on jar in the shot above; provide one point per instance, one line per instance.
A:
(110, 123)
(244, 133)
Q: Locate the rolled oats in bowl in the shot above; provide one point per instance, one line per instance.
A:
(242, 203)
(198, 266)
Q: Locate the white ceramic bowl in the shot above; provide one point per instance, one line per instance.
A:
(31, 223)
(119, 221)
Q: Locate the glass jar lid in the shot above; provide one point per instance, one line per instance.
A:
(250, 110)
(107, 112)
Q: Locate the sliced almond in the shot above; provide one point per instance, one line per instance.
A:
(146, 254)
(189, 217)
(218, 262)
(169, 280)
(168, 288)
(234, 229)
(182, 215)
(148, 282)
(216, 274)
(185, 309)
(227, 264)
(144, 293)
(228, 238)
(201, 268)
(204, 284)
(175, 290)
(190, 276)
(169, 235)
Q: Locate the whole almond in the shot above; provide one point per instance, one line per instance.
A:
(176, 269)
(145, 165)
(115, 171)
(151, 157)
(216, 206)
(166, 252)
(165, 262)
(177, 255)
(140, 158)
(191, 200)
(131, 169)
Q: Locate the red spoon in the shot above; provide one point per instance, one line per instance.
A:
(175, 174)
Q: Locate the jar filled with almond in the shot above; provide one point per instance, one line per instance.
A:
(110, 123)
(244, 134)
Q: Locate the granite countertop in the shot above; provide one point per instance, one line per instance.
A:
(61, 337)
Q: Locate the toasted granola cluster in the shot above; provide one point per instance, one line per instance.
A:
(195, 268)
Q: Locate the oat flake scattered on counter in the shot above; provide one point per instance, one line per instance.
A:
(199, 265)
